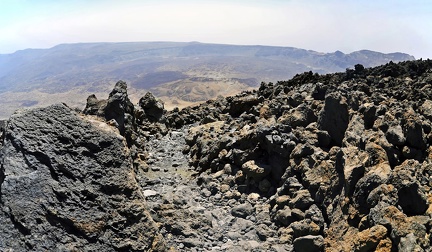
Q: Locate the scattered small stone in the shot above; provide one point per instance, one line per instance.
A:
(149, 193)
(155, 168)
(242, 210)
(253, 197)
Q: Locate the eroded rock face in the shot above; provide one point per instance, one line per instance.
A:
(67, 185)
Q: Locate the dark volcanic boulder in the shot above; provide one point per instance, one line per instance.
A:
(413, 130)
(240, 104)
(2, 126)
(119, 107)
(334, 117)
(95, 106)
(68, 185)
(302, 115)
(152, 107)
(309, 243)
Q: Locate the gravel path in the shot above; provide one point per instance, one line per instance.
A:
(204, 217)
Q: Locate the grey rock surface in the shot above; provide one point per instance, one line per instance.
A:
(67, 185)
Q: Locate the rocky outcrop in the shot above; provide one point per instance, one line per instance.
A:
(117, 109)
(352, 148)
(2, 127)
(67, 184)
(132, 121)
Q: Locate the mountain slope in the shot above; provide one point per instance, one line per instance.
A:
(179, 73)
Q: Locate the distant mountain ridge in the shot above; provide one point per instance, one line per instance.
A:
(181, 73)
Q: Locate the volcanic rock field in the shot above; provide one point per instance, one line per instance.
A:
(335, 162)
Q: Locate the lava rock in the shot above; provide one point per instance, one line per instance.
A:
(256, 171)
(300, 116)
(368, 239)
(240, 104)
(304, 227)
(243, 210)
(411, 195)
(302, 200)
(284, 216)
(94, 106)
(426, 109)
(413, 131)
(69, 185)
(395, 135)
(369, 115)
(309, 243)
(119, 105)
(334, 117)
(153, 108)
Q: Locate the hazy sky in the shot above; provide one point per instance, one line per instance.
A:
(320, 25)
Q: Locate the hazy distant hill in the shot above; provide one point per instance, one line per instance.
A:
(180, 73)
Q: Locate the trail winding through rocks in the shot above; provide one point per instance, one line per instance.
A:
(194, 212)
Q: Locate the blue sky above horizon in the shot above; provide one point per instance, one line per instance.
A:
(324, 26)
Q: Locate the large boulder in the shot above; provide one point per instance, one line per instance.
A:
(413, 130)
(119, 107)
(241, 104)
(67, 184)
(2, 127)
(94, 106)
(312, 243)
(300, 116)
(426, 109)
(412, 196)
(334, 117)
(153, 108)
